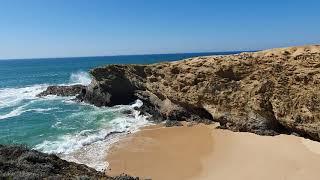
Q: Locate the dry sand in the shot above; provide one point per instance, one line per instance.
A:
(203, 152)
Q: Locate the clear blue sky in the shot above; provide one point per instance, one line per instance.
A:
(60, 28)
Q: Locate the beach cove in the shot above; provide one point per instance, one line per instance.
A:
(204, 152)
(252, 115)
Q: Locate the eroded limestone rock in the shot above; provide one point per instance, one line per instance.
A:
(268, 92)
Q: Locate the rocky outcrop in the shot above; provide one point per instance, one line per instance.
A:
(267, 92)
(114, 85)
(170, 123)
(18, 162)
(62, 90)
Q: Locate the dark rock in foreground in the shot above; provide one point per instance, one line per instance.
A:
(18, 162)
(62, 90)
(173, 123)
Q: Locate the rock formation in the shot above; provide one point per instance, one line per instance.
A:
(18, 162)
(62, 90)
(267, 92)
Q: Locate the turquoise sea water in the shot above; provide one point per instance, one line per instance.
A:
(57, 124)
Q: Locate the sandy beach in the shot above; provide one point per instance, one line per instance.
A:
(203, 152)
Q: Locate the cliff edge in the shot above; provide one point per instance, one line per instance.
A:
(266, 92)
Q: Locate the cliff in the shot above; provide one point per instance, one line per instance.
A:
(267, 92)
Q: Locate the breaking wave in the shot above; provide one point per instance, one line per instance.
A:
(17, 98)
(78, 146)
(20, 110)
(75, 131)
(14, 96)
(80, 77)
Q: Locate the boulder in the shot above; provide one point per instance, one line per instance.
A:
(62, 90)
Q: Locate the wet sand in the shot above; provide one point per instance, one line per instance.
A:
(203, 152)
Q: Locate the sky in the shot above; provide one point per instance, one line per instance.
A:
(72, 28)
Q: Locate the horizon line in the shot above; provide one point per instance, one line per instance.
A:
(95, 56)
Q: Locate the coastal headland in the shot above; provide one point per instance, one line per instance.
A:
(271, 92)
(268, 92)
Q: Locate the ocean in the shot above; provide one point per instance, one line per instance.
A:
(76, 132)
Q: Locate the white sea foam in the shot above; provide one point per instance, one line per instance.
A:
(80, 77)
(21, 109)
(16, 112)
(68, 143)
(81, 147)
(13, 96)
(87, 146)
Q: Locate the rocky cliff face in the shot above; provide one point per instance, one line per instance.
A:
(267, 92)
